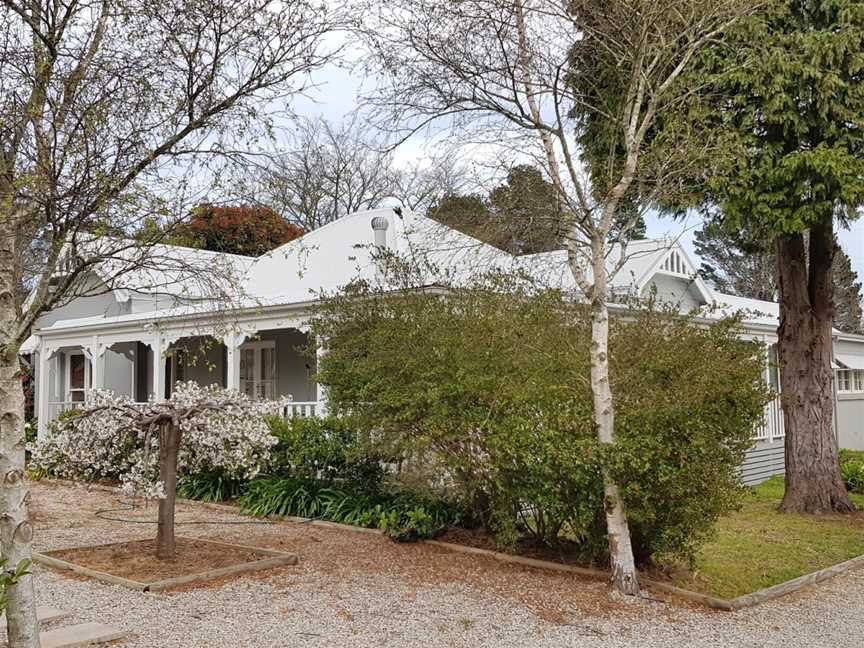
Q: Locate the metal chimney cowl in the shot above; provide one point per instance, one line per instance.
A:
(379, 228)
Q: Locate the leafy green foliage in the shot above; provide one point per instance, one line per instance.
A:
(792, 85)
(9, 578)
(403, 515)
(487, 388)
(522, 215)
(852, 467)
(325, 448)
(211, 486)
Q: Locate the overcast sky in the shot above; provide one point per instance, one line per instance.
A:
(336, 97)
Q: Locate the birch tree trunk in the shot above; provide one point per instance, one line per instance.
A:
(814, 483)
(16, 532)
(169, 446)
(623, 565)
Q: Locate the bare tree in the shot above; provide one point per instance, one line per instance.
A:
(333, 170)
(106, 108)
(580, 85)
(423, 183)
(336, 169)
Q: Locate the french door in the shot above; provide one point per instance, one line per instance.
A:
(258, 370)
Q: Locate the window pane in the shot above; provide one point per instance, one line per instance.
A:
(76, 371)
(247, 364)
(247, 387)
(267, 364)
(773, 368)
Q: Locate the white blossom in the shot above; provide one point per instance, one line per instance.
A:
(112, 436)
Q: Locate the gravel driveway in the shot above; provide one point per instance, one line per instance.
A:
(354, 589)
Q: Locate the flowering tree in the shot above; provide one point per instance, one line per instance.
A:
(198, 428)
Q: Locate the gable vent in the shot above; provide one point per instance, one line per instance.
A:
(674, 264)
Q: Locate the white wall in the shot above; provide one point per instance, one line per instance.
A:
(673, 290)
(850, 407)
(120, 369)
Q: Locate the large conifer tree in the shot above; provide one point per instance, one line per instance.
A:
(791, 116)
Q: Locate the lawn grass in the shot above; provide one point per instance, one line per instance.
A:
(758, 547)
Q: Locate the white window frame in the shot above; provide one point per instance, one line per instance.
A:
(850, 381)
(67, 392)
(259, 390)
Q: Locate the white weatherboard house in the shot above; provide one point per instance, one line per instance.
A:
(149, 329)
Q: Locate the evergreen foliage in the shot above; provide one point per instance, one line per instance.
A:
(522, 215)
(792, 81)
(738, 266)
(486, 389)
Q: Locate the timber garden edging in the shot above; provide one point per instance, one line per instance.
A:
(275, 559)
(750, 599)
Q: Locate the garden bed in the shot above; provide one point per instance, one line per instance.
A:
(133, 564)
(757, 554)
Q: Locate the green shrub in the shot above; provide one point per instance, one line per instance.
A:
(489, 385)
(852, 468)
(213, 486)
(408, 525)
(325, 448)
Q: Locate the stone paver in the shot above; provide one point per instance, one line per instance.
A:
(44, 613)
(82, 634)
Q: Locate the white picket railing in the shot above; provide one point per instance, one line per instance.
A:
(772, 426)
(57, 408)
(294, 408)
(302, 408)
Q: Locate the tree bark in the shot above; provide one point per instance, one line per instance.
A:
(169, 445)
(623, 565)
(814, 483)
(16, 532)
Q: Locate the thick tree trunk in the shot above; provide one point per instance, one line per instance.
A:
(813, 480)
(15, 528)
(623, 565)
(169, 445)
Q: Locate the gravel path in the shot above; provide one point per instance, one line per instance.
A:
(354, 589)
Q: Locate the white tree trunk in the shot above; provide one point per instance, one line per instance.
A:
(620, 549)
(16, 532)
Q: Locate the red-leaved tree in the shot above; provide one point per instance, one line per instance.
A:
(249, 230)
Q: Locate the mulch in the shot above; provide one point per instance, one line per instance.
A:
(136, 560)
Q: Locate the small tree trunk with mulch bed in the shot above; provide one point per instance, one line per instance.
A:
(169, 445)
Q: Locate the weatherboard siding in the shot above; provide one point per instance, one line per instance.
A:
(762, 461)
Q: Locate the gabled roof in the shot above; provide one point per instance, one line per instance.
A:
(330, 257)
(643, 259)
(168, 269)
